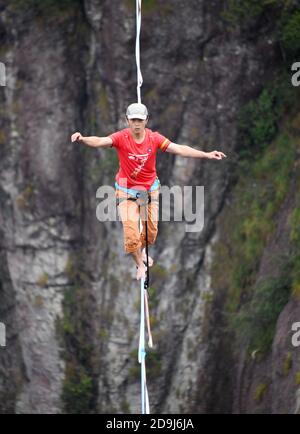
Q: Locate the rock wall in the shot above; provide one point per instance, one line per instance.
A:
(68, 294)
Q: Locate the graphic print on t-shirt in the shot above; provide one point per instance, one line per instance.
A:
(141, 159)
(137, 157)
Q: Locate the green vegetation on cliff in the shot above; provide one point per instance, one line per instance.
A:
(268, 164)
(79, 392)
(282, 15)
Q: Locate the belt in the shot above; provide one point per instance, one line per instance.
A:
(137, 193)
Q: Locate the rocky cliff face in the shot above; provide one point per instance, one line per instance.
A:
(68, 295)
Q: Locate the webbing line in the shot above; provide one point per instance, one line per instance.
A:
(137, 48)
(142, 351)
(144, 301)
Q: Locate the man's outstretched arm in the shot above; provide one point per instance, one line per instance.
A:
(187, 151)
(93, 141)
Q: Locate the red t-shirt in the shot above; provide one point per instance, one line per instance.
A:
(137, 160)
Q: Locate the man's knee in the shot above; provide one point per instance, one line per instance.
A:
(132, 246)
(132, 240)
(152, 235)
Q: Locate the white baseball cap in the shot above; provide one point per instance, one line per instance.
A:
(137, 111)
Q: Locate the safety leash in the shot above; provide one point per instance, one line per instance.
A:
(142, 356)
(147, 284)
(147, 280)
(145, 407)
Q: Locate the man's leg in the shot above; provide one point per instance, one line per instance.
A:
(141, 269)
(129, 214)
(152, 224)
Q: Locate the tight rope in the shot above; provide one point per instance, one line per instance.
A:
(145, 407)
(137, 48)
(142, 356)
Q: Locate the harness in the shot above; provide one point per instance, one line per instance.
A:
(138, 195)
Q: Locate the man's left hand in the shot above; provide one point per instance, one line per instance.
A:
(216, 155)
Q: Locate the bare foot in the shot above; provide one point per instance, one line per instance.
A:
(141, 272)
(144, 257)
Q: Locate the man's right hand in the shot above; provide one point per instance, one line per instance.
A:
(76, 137)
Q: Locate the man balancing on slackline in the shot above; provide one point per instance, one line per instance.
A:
(136, 147)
